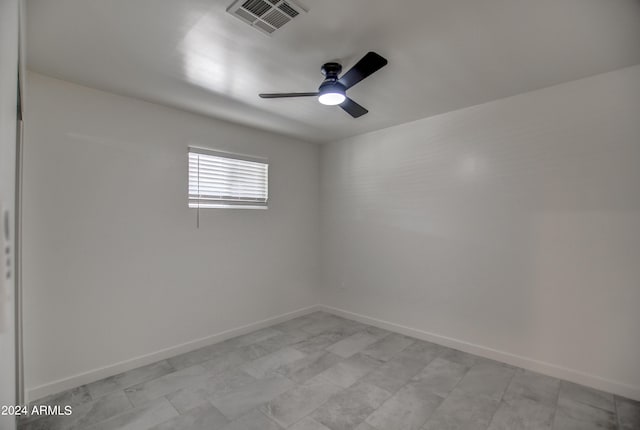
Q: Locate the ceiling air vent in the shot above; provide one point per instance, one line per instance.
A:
(265, 15)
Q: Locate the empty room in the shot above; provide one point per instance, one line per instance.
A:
(320, 215)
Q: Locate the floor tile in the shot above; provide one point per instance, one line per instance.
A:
(40, 423)
(357, 326)
(365, 426)
(199, 355)
(374, 331)
(334, 323)
(463, 411)
(395, 373)
(198, 394)
(487, 379)
(234, 358)
(422, 351)
(291, 406)
(320, 325)
(588, 396)
(387, 347)
(533, 386)
(440, 377)
(142, 393)
(84, 414)
(268, 365)
(350, 407)
(140, 418)
(204, 417)
(408, 409)
(241, 400)
(292, 324)
(459, 356)
(564, 422)
(254, 420)
(576, 410)
(320, 342)
(308, 423)
(628, 413)
(349, 371)
(351, 327)
(353, 344)
(306, 368)
(282, 340)
(129, 378)
(253, 337)
(218, 350)
(71, 397)
(227, 382)
(188, 398)
(522, 414)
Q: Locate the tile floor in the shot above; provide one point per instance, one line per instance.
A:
(322, 372)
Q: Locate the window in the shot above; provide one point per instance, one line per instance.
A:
(223, 180)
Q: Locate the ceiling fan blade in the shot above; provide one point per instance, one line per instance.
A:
(368, 65)
(285, 95)
(353, 108)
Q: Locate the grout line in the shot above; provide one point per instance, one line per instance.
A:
(259, 409)
(501, 401)
(172, 407)
(615, 411)
(515, 370)
(128, 399)
(452, 388)
(557, 406)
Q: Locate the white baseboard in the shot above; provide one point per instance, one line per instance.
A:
(560, 372)
(122, 366)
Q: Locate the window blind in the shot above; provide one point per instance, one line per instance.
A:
(222, 180)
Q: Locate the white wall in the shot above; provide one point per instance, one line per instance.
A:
(114, 267)
(513, 226)
(8, 104)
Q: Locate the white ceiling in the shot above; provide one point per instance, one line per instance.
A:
(443, 54)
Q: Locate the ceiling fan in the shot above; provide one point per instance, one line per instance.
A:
(333, 90)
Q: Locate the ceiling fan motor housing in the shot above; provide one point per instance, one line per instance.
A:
(330, 83)
(331, 70)
(331, 86)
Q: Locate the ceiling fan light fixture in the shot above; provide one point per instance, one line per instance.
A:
(332, 94)
(331, 98)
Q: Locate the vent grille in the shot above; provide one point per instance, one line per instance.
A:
(276, 18)
(267, 16)
(245, 15)
(256, 7)
(288, 10)
(264, 26)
